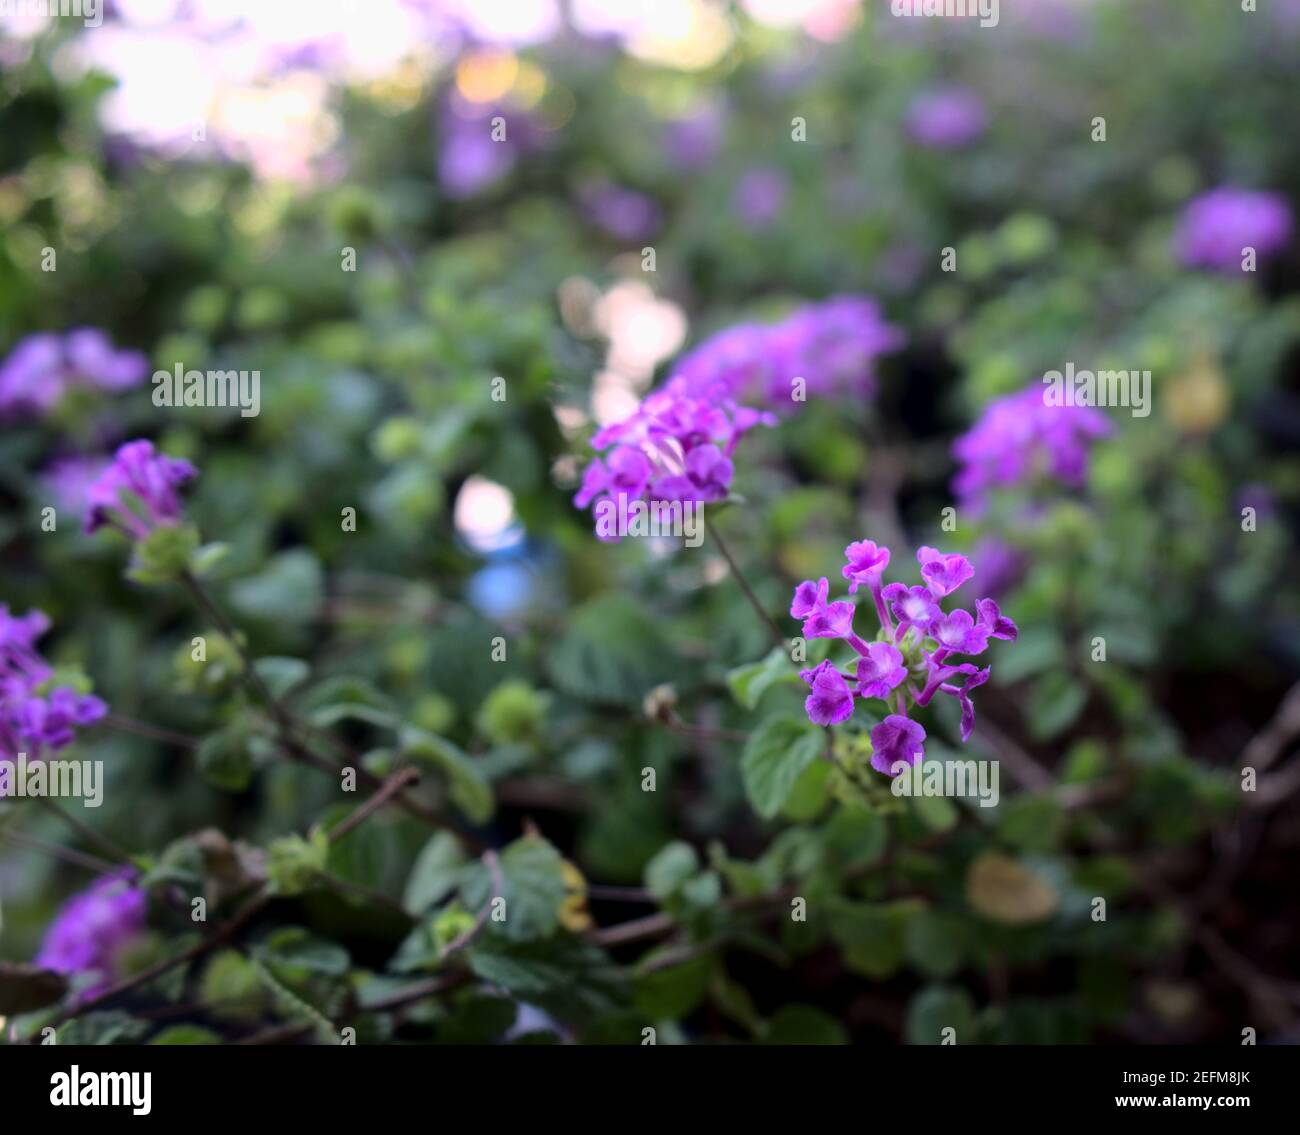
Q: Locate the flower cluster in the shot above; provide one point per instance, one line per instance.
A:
(677, 446)
(832, 346)
(43, 367)
(35, 714)
(90, 930)
(1218, 226)
(137, 491)
(1020, 437)
(911, 657)
(946, 118)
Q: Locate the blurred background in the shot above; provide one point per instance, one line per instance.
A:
(385, 205)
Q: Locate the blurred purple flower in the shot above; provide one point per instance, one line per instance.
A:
(896, 740)
(137, 491)
(43, 367)
(946, 118)
(32, 716)
(469, 161)
(832, 346)
(623, 213)
(1018, 438)
(694, 141)
(1217, 226)
(759, 196)
(91, 929)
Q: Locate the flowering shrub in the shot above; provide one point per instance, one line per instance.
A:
(401, 752)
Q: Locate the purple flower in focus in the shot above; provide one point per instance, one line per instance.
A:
(137, 492)
(943, 574)
(958, 633)
(880, 670)
(821, 620)
(759, 196)
(867, 563)
(946, 118)
(997, 624)
(885, 666)
(830, 701)
(896, 740)
(912, 607)
(1218, 226)
(91, 929)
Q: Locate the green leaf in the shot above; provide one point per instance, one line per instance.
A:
(872, 935)
(1054, 705)
(225, 758)
(749, 683)
(293, 863)
(294, 950)
(936, 943)
(565, 976)
(164, 555)
(669, 870)
(347, 698)
(803, 1024)
(774, 758)
(205, 559)
(1032, 823)
(289, 589)
(671, 992)
(938, 1008)
(186, 1034)
(435, 874)
(532, 884)
(281, 674)
(467, 786)
(612, 653)
(26, 988)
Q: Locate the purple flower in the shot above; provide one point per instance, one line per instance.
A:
(896, 740)
(830, 701)
(943, 574)
(1018, 439)
(821, 620)
(830, 347)
(946, 118)
(42, 368)
(1218, 226)
(883, 667)
(34, 716)
(677, 446)
(623, 213)
(880, 671)
(992, 619)
(91, 928)
(912, 607)
(866, 564)
(958, 633)
(694, 141)
(759, 196)
(137, 492)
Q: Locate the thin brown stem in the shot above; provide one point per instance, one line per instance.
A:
(777, 637)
